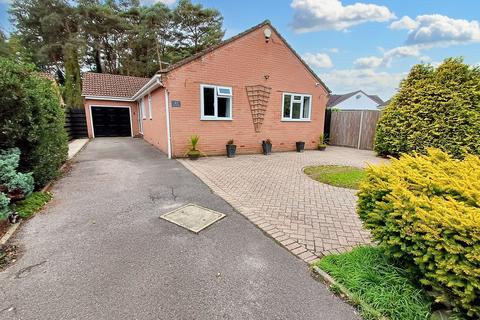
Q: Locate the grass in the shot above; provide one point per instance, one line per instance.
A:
(368, 274)
(33, 203)
(338, 176)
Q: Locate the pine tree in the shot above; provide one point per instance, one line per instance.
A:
(73, 88)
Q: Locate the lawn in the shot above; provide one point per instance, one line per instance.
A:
(338, 176)
(31, 204)
(377, 284)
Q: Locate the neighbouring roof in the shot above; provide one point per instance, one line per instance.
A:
(111, 85)
(336, 99)
(238, 36)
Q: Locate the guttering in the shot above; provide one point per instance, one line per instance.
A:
(151, 85)
(108, 98)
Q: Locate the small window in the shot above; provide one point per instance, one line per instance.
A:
(150, 106)
(296, 107)
(216, 102)
(142, 108)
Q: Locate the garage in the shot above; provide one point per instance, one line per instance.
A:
(111, 121)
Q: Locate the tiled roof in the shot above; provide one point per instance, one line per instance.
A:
(111, 85)
(338, 98)
(238, 36)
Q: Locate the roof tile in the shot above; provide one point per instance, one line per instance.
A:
(111, 85)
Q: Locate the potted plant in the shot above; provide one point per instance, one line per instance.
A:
(267, 147)
(231, 148)
(321, 143)
(193, 153)
(300, 145)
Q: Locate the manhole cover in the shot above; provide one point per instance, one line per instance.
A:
(193, 217)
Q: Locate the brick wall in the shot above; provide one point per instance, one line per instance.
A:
(155, 129)
(244, 62)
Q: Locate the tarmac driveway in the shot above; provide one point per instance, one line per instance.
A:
(100, 251)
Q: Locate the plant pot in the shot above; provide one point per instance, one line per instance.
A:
(193, 154)
(266, 147)
(322, 147)
(231, 149)
(300, 146)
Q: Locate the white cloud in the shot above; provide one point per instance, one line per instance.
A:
(384, 84)
(404, 23)
(368, 62)
(318, 60)
(316, 15)
(373, 62)
(438, 30)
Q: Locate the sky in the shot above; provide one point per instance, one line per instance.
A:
(367, 45)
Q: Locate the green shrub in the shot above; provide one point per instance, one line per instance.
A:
(435, 107)
(9, 177)
(425, 211)
(32, 119)
(4, 201)
(32, 204)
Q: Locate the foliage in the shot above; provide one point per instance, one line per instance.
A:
(230, 141)
(338, 176)
(120, 37)
(321, 140)
(194, 142)
(367, 273)
(73, 81)
(435, 107)
(32, 204)
(10, 179)
(32, 119)
(4, 201)
(196, 28)
(425, 211)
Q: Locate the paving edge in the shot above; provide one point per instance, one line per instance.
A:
(352, 298)
(11, 230)
(278, 236)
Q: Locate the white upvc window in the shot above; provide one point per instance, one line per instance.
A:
(296, 107)
(150, 106)
(142, 108)
(215, 102)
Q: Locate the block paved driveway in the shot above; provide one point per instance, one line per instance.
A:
(309, 218)
(100, 251)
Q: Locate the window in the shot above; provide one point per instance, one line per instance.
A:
(142, 108)
(216, 102)
(296, 107)
(150, 106)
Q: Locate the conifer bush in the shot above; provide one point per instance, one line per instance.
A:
(434, 108)
(425, 211)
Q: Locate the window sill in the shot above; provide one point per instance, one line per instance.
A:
(216, 119)
(296, 120)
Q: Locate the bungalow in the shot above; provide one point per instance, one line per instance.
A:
(356, 100)
(249, 88)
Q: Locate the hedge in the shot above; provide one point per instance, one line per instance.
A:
(434, 107)
(32, 119)
(425, 211)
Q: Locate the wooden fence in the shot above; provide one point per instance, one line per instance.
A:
(353, 128)
(75, 123)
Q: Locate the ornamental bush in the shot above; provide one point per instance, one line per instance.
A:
(4, 201)
(425, 211)
(32, 119)
(10, 179)
(434, 107)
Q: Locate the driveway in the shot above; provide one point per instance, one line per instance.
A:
(100, 251)
(309, 218)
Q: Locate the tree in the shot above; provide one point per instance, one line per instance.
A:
(196, 28)
(44, 27)
(435, 107)
(73, 81)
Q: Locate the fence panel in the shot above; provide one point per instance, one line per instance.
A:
(353, 128)
(76, 123)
